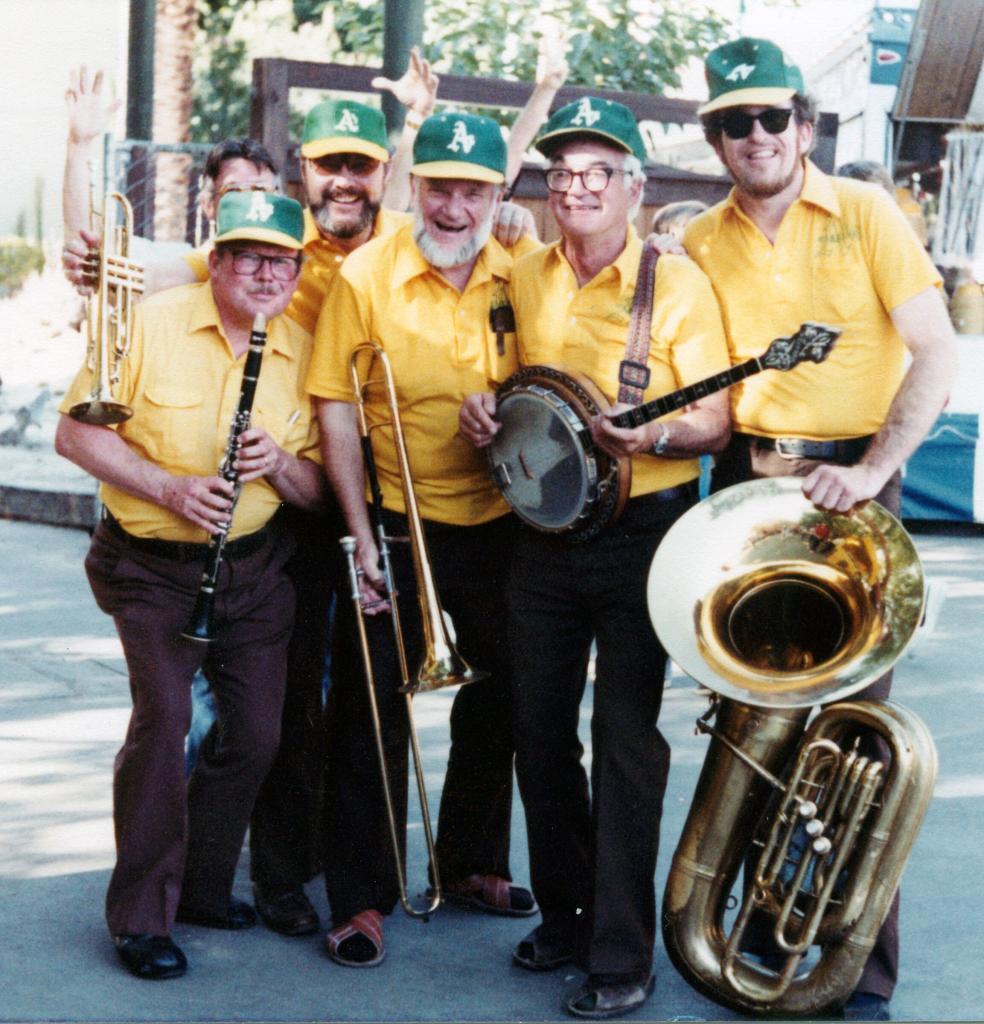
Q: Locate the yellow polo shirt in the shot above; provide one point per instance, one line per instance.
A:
(322, 258)
(183, 384)
(441, 347)
(845, 255)
(585, 329)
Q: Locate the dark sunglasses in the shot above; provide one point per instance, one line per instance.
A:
(736, 124)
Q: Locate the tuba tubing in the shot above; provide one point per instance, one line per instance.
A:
(720, 829)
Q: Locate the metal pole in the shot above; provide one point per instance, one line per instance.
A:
(140, 70)
(403, 28)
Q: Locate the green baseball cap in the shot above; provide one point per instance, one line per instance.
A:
(749, 71)
(260, 217)
(460, 146)
(607, 120)
(344, 126)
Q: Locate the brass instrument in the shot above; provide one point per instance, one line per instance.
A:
(109, 316)
(777, 606)
(441, 664)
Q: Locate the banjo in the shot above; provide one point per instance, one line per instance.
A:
(544, 461)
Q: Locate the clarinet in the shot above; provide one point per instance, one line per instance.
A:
(200, 624)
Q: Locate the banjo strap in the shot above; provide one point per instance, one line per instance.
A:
(633, 371)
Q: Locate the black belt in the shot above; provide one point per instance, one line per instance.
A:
(180, 551)
(687, 490)
(846, 452)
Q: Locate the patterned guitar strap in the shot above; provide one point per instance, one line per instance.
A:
(633, 371)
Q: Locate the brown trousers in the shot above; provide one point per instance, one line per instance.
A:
(179, 841)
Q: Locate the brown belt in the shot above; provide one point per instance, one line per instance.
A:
(181, 551)
(846, 452)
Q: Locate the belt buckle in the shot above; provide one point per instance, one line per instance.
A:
(783, 449)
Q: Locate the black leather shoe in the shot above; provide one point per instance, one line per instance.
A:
(150, 956)
(538, 953)
(287, 911)
(867, 1006)
(597, 1001)
(238, 917)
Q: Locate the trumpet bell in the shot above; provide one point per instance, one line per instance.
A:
(768, 600)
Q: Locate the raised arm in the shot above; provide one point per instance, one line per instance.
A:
(90, 116)
(551, 73)
(417, 91)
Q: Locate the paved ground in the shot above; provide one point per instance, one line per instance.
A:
(63, 709)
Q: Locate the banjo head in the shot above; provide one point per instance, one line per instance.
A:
(543, 460)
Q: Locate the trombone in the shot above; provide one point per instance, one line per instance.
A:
(109, 317)
(441, 664)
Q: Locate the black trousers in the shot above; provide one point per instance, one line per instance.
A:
(469, 565)
(592, 856)
(284, 830)
(735, 465)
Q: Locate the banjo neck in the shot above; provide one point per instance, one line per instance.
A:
(641, 414)
(811, 343)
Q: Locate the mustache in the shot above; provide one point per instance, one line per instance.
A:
(265, 290)
(333, 194)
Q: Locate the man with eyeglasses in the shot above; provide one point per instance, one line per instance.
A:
(791, 244)
(178, 842)
(426, 294)
(593, 858)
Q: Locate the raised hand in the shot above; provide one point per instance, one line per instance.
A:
(551, 58)
(90, 113)
(417, 89)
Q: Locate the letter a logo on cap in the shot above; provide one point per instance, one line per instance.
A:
(739, 71)
(348, 122)
(586, 114)
(260, 209)
(461, 140)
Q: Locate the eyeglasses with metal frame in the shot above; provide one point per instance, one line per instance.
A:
(247, 263)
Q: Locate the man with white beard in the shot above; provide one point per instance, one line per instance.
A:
(433, 297)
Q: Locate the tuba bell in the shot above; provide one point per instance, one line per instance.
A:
(109, 315)
(777, 606)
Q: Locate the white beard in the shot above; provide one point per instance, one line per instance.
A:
(445, 256)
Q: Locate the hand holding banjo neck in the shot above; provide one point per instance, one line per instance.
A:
(811, 343)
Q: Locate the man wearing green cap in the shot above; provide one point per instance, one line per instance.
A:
(791, 244)
(426, 295)
(178, 843)
(593, 858)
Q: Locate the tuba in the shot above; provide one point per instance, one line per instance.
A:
(777, 606)
(441, 664)
(109, 316)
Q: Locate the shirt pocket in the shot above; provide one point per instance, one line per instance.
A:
(172, 431)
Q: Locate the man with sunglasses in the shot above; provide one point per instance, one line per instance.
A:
(791, 244)
(178, 841)
(593, 857)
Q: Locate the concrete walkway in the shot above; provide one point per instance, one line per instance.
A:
(63, 709)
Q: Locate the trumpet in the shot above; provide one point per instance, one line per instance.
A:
(109, 316)
(441, 664)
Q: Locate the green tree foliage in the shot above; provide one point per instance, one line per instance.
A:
(632, 45)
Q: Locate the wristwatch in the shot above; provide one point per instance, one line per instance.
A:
(662, 442)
